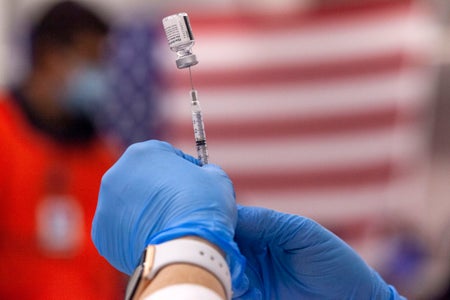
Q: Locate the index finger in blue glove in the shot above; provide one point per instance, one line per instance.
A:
(160, 146)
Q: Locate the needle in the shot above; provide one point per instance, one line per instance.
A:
(190, 78)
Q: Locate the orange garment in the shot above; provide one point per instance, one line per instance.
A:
(48, 196)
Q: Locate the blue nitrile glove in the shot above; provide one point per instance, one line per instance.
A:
(292, 257)
(155, 193)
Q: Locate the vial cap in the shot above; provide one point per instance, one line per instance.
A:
(186, 61)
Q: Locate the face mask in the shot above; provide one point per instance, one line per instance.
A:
(86, 89)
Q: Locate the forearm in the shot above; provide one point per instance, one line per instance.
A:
(183, 274)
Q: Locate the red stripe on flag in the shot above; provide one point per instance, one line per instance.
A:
(243, 20)
(302, 73)
(355, 229)
(302, 180)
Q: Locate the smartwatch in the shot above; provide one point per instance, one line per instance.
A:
(156, 257)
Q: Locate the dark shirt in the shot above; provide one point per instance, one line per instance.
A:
(77, 128)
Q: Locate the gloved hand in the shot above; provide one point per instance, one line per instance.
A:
(292, 257)
(155, 193)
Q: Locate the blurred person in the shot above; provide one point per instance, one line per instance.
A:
(181, 218)
(52, 160)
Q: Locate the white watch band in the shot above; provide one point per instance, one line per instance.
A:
(190, 252)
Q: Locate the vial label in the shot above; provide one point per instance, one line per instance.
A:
(177, 30)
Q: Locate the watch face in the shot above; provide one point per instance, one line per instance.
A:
(133, 283)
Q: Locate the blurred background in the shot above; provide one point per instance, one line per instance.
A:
(337, 110)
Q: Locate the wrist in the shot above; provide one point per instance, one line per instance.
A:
(186, 260)
(223, 239)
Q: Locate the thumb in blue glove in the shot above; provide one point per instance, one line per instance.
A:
(155, 193)
(292, 257)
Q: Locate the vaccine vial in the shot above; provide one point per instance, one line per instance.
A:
(179, 35)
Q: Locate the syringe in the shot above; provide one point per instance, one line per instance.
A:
(179, 35)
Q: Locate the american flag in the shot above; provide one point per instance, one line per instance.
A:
(320, 112)
(131, 113)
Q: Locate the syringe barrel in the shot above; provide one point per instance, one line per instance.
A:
(199, 129)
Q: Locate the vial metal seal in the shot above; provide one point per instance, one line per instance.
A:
(179, 35)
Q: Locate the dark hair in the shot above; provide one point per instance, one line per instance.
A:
(61, 23)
